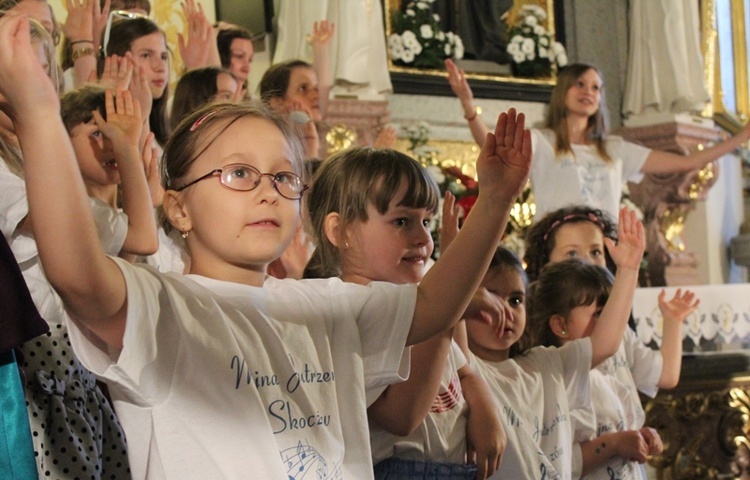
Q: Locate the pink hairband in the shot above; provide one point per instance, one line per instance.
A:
(203, 118)
(574, 216)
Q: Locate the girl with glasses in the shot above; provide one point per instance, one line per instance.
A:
(74, 429)
(223, 372)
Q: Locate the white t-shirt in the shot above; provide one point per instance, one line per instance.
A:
(224, 380)
(536, 393)
(584, 178)
(616, 405)
(442, 435)
(111, 226)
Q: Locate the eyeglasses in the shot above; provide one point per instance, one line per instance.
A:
(244, 178)
(121, 14)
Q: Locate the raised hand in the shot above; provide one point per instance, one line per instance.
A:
(198, 46)
(139, 88)
(386, 138)
(679, 307)
(117, 73)
(78, 26)
(100, 15)
(124, 121)
(23, 81)
(505, 159)
(150, 157)
(449, 221)
(322, 34)
(458, 83)
(631, 241)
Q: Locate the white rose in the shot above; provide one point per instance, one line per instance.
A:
(426, 31)
(519, 57)
(422, 6)
(528, 46)
(544, 41)
(531, 20)
(530, 56)
(396, 51)
(540, 30)
(516, 39)
(436, 17)
(440, 35)
(543, 52)
(410, 12)
(557, 48)
(407, 56)
(458, 52)
(395, 40)
(447, 49)
(450, 36)
(562, 60)
(513, 48)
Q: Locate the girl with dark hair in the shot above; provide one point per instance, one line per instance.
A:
(576, 161)
(146, 43)
(537, 387)
(201, 86)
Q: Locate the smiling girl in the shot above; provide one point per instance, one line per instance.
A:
(576, 162)
(223, 372)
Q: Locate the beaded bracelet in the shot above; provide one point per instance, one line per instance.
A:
(82, 52)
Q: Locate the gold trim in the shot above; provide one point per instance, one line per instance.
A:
(739, 44)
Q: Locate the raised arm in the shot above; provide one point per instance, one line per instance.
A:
(320, 40)
(674, 312)
(503, 168)
(90, 284)
(627, 254)
(78, 29)
(659, 161)
(123, 129)
(462, 90)
(198, 47)
(486, 437)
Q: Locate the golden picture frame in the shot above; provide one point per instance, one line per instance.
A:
(485, 85)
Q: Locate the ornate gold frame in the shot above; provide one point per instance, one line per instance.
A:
(513, 82)
(731, 120)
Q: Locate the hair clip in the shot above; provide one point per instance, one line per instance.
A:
(574, 216)
(200, 121)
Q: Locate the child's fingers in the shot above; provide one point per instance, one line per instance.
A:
(109, 102)
(120, 102)
(520, 130)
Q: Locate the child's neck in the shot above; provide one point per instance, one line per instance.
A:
(577, 126)
(252, 275)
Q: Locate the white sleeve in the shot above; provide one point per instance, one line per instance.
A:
(645, 363)
(111, 226)
(576, 362)
(632, 155)
(384, 322)
(13, 203)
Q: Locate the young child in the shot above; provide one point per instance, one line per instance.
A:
(74, 429)
(537, 388)
(579, 232)
(106, 149)
(224, 372)
(370, 210)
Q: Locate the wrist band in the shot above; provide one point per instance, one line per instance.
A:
(476, 112)
(81, 41)
(82, 52)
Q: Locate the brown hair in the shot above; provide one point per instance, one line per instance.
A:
(504, 259)
(194, 89)
(123, 33)
(348, 182)
(76, 106)
(224, 38)
(560, 288)
(275, 81)
(540, 239)
(557, 113)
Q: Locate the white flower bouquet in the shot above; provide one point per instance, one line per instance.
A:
(533, 51)
(417, 39)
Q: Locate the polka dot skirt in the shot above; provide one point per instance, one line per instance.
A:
(75, 432)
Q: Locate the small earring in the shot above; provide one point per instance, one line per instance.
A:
(185, 234)
(564, 332)
(346, 245)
